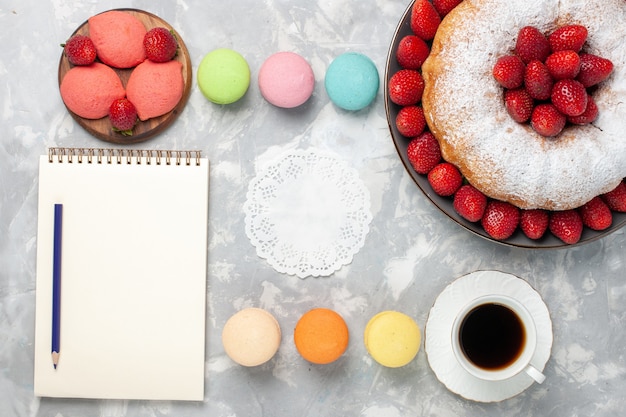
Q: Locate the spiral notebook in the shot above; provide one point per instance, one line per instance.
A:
(133, 270)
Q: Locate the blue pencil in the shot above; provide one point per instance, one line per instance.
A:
(56, 284)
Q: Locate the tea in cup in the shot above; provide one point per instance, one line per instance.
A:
(494, 338)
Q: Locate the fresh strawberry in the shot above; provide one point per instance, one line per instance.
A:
(531, 45)
(469, 203)
(547, 120)
(616, 198)
(444, 7)
(424, 153)
(500, 219)
(424, 19)
(80, 50)
(570, 37)
(563, 64)
(123, 116)
(509, 71)
(570, 97)
(406, 87)
(519, 104)
(410, 121)
(160, 44)
(412, 52)
(589, 115)
(538, 81)
(445, 179)
(596, 214)
(593, 69)
(567, 225)
(534, 223)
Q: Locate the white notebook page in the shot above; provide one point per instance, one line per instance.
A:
(133, 279)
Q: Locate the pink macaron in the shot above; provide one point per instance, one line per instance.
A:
(286, 80)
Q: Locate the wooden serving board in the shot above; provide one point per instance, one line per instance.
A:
(144, 130)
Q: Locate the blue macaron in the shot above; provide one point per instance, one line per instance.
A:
(352, 81)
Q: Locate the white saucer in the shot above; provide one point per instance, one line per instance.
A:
(438, 328)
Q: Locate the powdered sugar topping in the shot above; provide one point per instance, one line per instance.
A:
(507, 160)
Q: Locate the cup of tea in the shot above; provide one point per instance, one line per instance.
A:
(494, 338)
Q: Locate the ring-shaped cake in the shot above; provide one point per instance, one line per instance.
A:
(507, 160)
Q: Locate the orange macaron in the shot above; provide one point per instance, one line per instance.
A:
(321, 336)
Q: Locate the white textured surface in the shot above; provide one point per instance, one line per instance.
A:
(508, 160)
(411, 253)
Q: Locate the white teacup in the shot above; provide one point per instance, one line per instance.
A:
(494, 338)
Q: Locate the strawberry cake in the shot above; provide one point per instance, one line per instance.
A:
(507, 160)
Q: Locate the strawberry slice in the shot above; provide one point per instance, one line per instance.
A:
(424, 19)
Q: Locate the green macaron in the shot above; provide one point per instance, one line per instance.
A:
(223, 76)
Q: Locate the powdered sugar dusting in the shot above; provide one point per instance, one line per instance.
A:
(507, 160)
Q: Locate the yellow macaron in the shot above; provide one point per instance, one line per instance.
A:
(392, 338)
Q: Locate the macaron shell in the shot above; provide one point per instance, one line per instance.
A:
(223, 76)
(392, 338)
(251, 337)
(321, 336)
(286, 80)
(352, 81)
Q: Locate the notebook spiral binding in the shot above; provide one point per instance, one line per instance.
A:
(123, 156)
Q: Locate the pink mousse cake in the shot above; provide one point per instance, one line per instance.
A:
(155, 88)
(118, 37)
(88, 91)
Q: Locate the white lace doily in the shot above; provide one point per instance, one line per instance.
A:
(307, 214)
